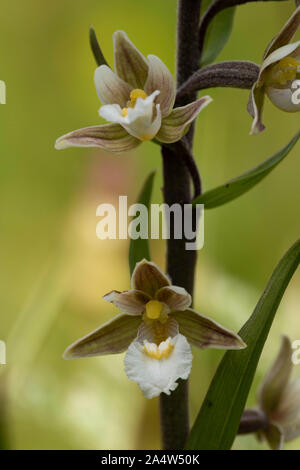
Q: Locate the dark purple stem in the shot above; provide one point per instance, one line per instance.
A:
(174, 409)
(252, 421)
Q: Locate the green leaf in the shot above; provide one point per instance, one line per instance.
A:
(240, 185)
(218, 420)
(139, 249)
(217, 35)
(96, 49)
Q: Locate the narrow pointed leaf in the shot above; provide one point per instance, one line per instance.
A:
(240, 185)
(218, 420)
(139, 248)
(215, 26)
(96, 49)
(217, 35)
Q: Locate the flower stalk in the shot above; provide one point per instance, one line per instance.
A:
(252, 421)
(229, 74)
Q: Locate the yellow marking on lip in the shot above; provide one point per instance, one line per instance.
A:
(157, 353)
(282, 72)
(153, 309)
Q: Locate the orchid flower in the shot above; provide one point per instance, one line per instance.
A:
(137, 100)
(279, 400)
(278, 72)
(156, 328)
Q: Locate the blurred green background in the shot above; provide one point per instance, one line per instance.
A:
(54, 270)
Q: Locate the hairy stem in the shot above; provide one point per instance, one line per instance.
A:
(183, 151)
(174, 409)
(229, 74)
(187, 50)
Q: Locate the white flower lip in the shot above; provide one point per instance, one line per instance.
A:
(139, 120)
(155, 376)
(283, 99)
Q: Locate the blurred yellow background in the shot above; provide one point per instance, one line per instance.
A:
(54, 270)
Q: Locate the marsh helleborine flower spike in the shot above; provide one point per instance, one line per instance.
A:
(137, 99)
(155, 327)
(279, 399)
(278, 72)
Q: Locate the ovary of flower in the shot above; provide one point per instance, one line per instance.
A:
(282, 72)
(141, 118)
(161, 351)
(153, 309)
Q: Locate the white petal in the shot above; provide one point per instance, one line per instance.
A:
(279, 54)
(142, 127)
(143, 107)
(139, 120)
(156, 376)
(111, 88)
(282, 98)
(112, 113)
